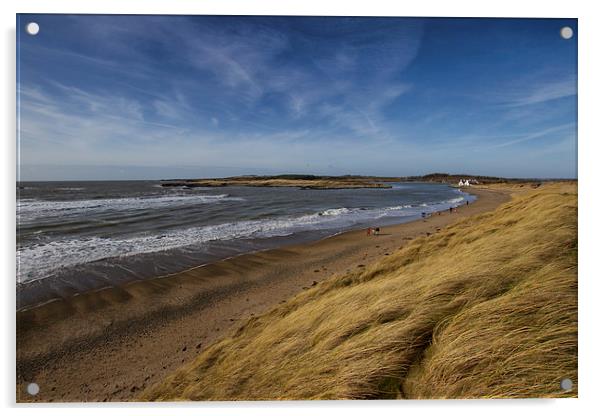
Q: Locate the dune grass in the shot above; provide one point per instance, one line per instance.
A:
(487, 308)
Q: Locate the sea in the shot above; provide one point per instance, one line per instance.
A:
(78, 236)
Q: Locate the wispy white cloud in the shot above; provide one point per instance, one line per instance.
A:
(535, 135)
(527, 90)
(358, 82)
(544, 92)
(81, 126)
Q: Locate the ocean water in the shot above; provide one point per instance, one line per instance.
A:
(77, 236)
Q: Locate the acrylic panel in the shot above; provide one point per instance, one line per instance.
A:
(295, 208)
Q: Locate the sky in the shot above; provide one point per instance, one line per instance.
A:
(151, 97)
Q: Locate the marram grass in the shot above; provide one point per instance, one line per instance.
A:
(485, 308)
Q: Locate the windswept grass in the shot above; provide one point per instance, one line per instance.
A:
(485, 308)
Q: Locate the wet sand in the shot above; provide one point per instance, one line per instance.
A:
(109, 344)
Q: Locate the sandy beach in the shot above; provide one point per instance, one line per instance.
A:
(110, 344)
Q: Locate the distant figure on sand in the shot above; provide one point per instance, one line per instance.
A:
(376, 231)
(369, 231)
(466, 202)
(450, 210)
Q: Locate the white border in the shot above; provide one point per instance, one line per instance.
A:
(590, 68)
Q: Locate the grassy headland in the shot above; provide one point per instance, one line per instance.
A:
(337, 182)
(487, 307)
(301, 181)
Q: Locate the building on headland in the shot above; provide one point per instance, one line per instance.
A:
(468, 182)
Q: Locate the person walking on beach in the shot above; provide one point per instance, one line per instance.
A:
(450, 210)
(369, 231)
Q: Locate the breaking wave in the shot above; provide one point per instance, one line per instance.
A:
(31, 209)
(41, 260)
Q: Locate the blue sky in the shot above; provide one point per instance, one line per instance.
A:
(148, 97)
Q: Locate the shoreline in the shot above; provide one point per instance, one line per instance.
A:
(111, 343)
(37, 292)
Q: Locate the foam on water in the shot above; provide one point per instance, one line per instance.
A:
(32, 209)
(36, 261)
